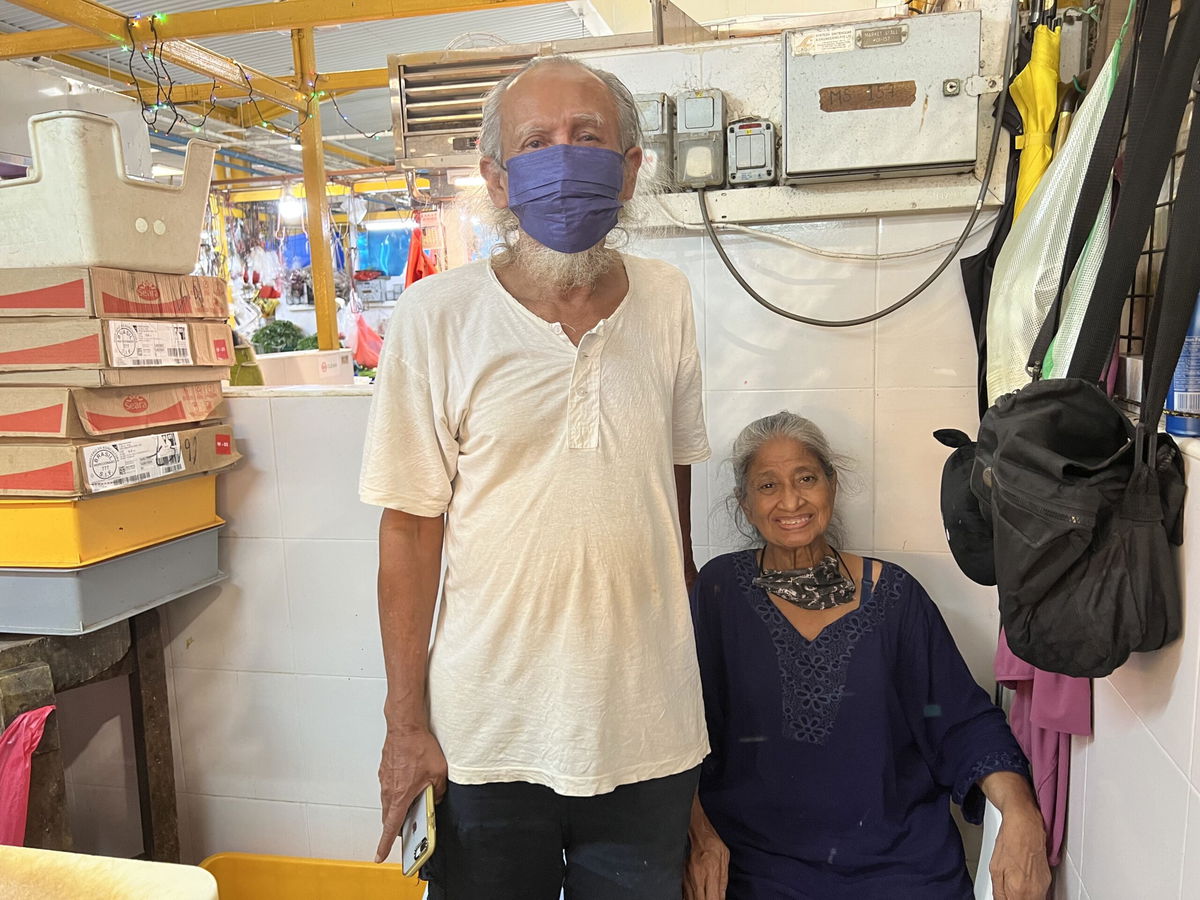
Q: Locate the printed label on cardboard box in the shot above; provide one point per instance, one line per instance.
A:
(148, 343)
(131, 461)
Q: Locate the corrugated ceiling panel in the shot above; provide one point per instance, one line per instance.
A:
(359, 46)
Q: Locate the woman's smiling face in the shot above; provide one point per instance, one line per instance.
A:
(789, 495)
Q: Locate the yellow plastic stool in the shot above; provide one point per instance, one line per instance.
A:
(248, 876)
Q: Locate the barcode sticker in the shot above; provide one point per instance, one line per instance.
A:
(132, 461)
(1186, 402)
(133, 344)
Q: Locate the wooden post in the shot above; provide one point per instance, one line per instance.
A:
(152, 740)
(313, 156)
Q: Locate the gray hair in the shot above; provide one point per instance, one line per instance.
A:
(746, 446)
(629, 124)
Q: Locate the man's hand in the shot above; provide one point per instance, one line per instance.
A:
(707, 873)
(411, 761)
(1019, 869)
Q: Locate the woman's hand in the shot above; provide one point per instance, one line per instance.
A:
(707, 873)
(1018, 868)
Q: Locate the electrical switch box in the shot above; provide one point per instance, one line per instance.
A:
(700, 139)
(879, 99)
(750, 152)
(657, 115)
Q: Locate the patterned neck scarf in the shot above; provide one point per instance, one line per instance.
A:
(823, 586)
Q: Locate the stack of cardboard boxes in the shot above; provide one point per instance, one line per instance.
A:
(110, 382)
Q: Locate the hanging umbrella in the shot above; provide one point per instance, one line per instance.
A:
(1035, 92)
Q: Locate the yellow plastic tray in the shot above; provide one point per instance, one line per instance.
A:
(247, 876)
(66, 534)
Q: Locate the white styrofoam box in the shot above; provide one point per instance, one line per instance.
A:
(77, 207)
(328, 367)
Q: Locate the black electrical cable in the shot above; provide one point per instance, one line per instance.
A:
(351, 124)
(920, 289)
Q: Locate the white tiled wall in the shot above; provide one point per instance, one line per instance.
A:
(1134, 826)
(277, 674)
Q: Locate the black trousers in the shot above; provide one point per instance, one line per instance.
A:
(523, 841)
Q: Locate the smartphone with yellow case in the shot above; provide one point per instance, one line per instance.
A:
(417, 838)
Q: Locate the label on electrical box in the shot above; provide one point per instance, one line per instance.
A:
(148, 344)
(823, 40)
(885, 36)
(854, 97)
(132, 461)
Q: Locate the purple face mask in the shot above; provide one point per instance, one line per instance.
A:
(566, 196)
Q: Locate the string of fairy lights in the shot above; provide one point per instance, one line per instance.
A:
(163, 114)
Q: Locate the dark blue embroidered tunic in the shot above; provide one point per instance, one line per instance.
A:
(833, 759)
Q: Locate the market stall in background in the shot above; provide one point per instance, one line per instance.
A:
(208, 218)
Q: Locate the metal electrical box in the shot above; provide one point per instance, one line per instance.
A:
(657, 115)
(700, 139)
(881, 99)
(750, 152)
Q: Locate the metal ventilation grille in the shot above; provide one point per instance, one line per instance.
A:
(437, 104)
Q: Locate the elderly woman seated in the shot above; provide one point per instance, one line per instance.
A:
(841, 715)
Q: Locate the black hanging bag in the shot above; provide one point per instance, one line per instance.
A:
(968, 528)
(1085, 505)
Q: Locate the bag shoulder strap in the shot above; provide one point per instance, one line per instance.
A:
(1130, 98)
(1180, 285)
(1154, 146)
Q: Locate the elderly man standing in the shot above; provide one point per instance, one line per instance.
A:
(532, 431)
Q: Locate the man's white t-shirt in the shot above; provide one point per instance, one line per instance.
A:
(563, 652)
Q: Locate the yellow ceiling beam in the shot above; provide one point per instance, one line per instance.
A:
(328, 83)
(84, 27)
(358, 80)
(115, 28)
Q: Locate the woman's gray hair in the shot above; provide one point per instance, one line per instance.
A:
(805, 432)
(629, 123)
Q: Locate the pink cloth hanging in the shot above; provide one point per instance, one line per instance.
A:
(1047, 709)
(17, 744)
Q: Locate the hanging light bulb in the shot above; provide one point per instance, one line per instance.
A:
(291, 209)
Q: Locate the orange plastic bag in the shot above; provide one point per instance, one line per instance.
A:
(17, 744)
(367, 344)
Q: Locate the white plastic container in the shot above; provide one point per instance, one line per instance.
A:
(327, 367)
(78, 207)
(77, 601)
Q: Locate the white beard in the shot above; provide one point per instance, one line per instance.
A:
(558, 271)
